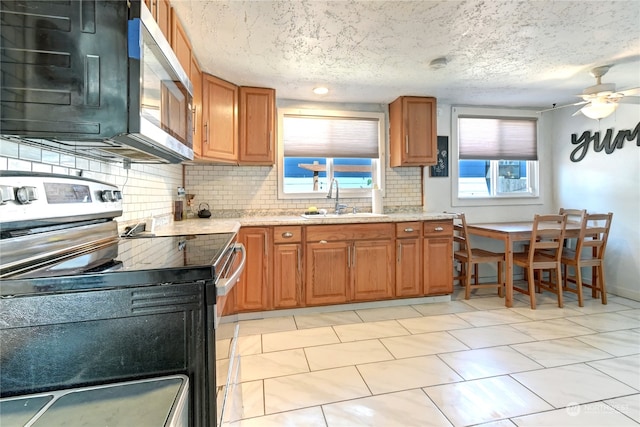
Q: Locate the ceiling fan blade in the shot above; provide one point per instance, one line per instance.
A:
(629, 100)
(564, 106)
(630, 92)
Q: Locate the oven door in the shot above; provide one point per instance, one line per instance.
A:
(228, 271)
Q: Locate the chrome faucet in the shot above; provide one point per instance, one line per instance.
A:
(338, 207)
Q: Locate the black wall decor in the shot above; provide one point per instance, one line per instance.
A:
(607, 143)
(442, 167)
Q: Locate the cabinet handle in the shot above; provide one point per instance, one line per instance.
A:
(354, 257)
(206, 133)
(193, 119)
(409, 230)
(323, 242)
(265, 246)
(399, 252)
(298, 251)
(287, 235)
(349, 256)
(438, 229)
(406, 144)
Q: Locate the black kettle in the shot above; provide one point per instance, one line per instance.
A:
(204, 212)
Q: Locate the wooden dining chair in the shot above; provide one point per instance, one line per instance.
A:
(544, 253)
(589, 252)
(470, 257)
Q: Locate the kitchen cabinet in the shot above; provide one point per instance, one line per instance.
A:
(349, 263)
(180, 43)
(412, 131)
(409, 259)
(161, 12)
(287, 266)
(257, 124)
(219, 120)
(438, 257)
(196, 80)
(252, 291)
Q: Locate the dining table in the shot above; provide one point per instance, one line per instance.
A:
(509, 233)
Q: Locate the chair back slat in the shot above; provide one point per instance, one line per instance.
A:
(595, 233)
(460, 235)
(547, 234)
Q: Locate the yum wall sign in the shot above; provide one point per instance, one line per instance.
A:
(608, 142)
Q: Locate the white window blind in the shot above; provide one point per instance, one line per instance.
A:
(481, 138)
(325, 136)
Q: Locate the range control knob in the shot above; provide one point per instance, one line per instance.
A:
(107, 196)
(117, 195)
(26, 195)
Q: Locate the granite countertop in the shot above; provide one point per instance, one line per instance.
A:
(222, 225)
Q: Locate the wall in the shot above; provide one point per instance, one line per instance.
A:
(603, 183)
(148, 190)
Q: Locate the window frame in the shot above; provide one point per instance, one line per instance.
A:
(533, 196)
(378, 165)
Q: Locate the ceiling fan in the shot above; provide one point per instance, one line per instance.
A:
(601, 99)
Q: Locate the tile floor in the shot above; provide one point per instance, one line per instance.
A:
(454, 363)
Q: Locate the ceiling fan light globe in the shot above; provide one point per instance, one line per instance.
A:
(599, 110)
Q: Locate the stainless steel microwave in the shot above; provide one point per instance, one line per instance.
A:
(94, 76)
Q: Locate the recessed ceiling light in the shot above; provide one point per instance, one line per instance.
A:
(320, 90)
(438, 63)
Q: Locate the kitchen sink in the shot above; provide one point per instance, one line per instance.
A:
(345, 216)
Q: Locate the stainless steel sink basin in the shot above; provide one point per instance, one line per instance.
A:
(344, 216)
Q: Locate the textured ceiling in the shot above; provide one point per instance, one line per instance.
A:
(503, 53)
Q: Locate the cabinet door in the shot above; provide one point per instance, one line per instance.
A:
(413, 140)
(257, 126)
(180, 43)
(252, 291)
(287, 275)
(373, 269)
(438, 265)
(163, 17)
(220, 119)
(327, 274)
(196, 80)
(408, 267)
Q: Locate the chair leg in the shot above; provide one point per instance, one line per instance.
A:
(501, 283)
(476, 274)
(467, 282)
(579, 285)
(603, 286)
(532, 287)
(559, 286)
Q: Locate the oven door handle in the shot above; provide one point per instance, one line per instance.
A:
(225, 284)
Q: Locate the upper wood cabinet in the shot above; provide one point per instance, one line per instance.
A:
(413, 140)
(257, 118)
(180, 43)
(196, 81)
(219, 120)
(161, 12)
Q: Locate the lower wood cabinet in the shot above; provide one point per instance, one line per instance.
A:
(287, 267)
(438, 257)
(409, 259)
(253, 291)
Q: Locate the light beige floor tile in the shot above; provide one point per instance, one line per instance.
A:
(560, 352)
(572, 384)
(604, 322)
(544, 298)
(499, 423)
(491, 302)
(251, 344)
(411, 408)
(387, 313)
(488, 399)
(587, 415)
(370, 330)
(442, 308)
(545, 312)
(633, 313)
(492, 317)
(278, 341)
(443, 322)
(625, 369)
(248, 401)
(552, 329)
(403, 374)
(628, 405)
(222, 348)
(618, 343)
(306, 321)
(594, 306)
(265, 326)
(314, 388)
(308, 417)
(274, 364)
(623, 301)
(422, 344)
(346, 354)
(488, 362)
(490, 336)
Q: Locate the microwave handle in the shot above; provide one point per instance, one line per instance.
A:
(224, 285)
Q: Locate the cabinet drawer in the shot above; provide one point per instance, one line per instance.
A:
(287, 234)
(334, 233)
(438, 228)
(408, 229)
